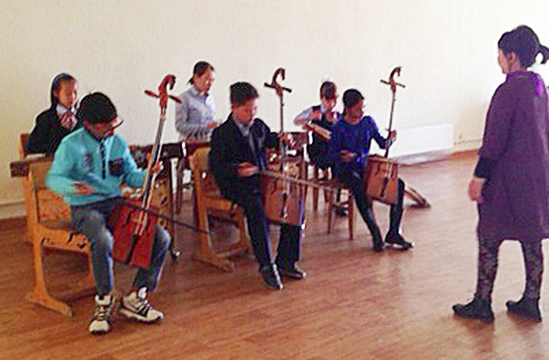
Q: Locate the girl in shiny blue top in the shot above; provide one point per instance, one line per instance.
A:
(348, 150)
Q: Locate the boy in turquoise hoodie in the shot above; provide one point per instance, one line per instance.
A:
(88, 168)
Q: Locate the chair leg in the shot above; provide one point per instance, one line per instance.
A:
(205, 252)
(40, 295)
(331, 209)
(315, 190)
(352, 217)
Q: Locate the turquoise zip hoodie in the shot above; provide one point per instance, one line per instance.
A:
(103, 164)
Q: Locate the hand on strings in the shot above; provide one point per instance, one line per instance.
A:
(316, 114)
(347, 156)
(212, 124)
(475, 189)
(246, 169)
(391, 138)
(156, 168)
(287, 138)
(81, 188)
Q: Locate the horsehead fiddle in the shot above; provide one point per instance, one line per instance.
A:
(283, 199)
(134, 220)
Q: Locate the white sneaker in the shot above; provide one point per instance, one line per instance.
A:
(103, 308)
(135, 306)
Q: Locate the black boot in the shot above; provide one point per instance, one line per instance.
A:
(379, 245)
(271, 278)
(527, 308)
(480, 309)
(395, 240)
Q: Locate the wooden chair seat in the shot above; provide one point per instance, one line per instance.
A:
(209, 200)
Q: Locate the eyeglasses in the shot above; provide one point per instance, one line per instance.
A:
(111, 125)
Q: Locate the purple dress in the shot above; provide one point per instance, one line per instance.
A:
(516, 195)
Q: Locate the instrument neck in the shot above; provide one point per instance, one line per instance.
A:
(155, 154)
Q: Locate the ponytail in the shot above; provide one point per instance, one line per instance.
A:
(544, 51)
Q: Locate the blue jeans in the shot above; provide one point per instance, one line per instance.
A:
(93, 221)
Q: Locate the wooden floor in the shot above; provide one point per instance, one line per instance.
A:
(355, 304)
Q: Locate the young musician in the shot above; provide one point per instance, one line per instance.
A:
(59, 120)
(511, 179)
(325, 116)
(87, 169)
(238, 153)
(194, 118)
(348, 150)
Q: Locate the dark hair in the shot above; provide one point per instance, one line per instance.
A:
(351, 97)
(524, 42)
(56, 85)
(242, 92)
(96, 108)
(328, 90)
(199, 69)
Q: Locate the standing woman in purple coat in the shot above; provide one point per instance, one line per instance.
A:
(511, 179)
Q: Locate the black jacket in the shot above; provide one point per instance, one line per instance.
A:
(318, 148)
(47, 133)
(230, 148)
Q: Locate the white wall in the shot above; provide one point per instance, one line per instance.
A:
(447, 50)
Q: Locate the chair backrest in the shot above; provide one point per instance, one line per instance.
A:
(204, 181)
(51, 209)
(199, 159)
(23, 139)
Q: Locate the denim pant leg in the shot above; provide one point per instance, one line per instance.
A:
(92, 222)
(149, 277)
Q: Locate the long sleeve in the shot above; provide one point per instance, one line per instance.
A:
(40, 140)
(222, 164)
(335, 146)
(498, 124)
(193, 115)
(59, 179)
(133, 176)
(380, 140)
(303, 116)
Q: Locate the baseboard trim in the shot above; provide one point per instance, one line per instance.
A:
(416, 159)
(18, 222)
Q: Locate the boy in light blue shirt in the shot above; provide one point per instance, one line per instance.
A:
(88, 168)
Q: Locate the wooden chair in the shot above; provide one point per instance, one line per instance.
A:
(324, 178)
(209, 199)
(49, 224)
(346, 204)
(27, 183)
(320, 177)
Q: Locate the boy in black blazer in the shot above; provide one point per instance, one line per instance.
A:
(238, 154)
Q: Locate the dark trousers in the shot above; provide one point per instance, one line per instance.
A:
(258, 228)
(488, 251)
(355, 182)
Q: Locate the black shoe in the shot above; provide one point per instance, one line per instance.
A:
(397, 241)
(477, 309)
(271, 278)
(292, 271)
(527, 308)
